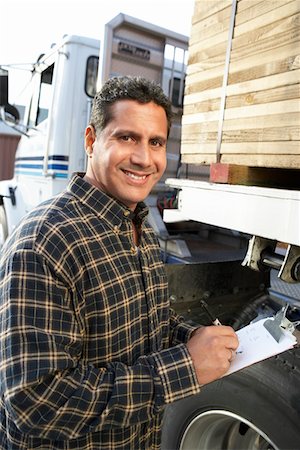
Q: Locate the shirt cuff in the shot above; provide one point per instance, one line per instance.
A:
(175, 368)
(182, 333)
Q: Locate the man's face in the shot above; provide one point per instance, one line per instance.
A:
(129, 156)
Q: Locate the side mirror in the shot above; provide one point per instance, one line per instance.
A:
(3, 87)
(9, 112)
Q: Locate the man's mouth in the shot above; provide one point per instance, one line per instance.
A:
(134, 176)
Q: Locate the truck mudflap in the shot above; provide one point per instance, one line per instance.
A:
(256, 408)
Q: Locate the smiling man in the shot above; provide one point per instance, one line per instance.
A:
(90, 351)
(129, 156)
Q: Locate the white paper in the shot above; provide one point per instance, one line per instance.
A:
(256, 344)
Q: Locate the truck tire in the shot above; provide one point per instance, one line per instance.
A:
(256, 408)
(3, 226)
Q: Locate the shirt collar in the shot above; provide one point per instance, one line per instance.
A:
(104, 205)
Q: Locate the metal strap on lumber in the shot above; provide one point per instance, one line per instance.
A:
(225, 79)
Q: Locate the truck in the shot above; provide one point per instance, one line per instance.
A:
(228, 228)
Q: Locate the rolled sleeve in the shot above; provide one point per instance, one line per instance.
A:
(180, 331)
(176, 372)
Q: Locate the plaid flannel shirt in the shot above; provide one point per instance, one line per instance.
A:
(90, 352)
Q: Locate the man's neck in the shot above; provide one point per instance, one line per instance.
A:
(136, 234)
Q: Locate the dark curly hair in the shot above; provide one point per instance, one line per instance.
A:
(126, 88)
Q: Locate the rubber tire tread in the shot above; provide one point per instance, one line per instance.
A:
(267, 394)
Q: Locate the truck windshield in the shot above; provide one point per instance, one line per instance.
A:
(42, 96)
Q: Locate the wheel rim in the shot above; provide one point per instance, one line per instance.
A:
(216, 430)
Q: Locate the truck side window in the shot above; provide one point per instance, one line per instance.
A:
(45, 96)
(91, 76)
(177, 92)
(175, 62)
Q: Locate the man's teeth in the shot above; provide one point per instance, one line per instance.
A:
(135, 177)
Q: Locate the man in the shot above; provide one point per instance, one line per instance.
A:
(90, 352)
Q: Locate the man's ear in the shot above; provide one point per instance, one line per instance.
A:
(90, 137)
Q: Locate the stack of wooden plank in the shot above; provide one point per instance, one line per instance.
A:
(261, 126)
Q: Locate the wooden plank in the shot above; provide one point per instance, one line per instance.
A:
(250, 123)
(228, 173)
(274, 36)
(254, 135)
(254, 98)
(259, 84)
(205, 9)
(278, 29)
(205, 27)
(245, 148)
(275, 67)
(263, 148)
(249, 9)
(283, 107)
(198, 158)
(271, 56)
(204, 47)
(210, 26)
(270, 29)
(286, 10)
(283, 161)
(278, 161)
(277, 19)
(286, 33)
(254, 176)
(274, 120)
(214, 46)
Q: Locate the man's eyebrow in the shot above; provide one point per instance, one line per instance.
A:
(125, 132)
(133, 133)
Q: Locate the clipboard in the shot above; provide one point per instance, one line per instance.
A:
(263, 339)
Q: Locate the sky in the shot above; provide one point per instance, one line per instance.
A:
(29, 27)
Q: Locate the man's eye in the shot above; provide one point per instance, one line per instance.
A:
(156, 143)
(126, 138)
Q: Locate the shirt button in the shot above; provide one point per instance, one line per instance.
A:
(126, 213)
(116, 229)
(133, 250)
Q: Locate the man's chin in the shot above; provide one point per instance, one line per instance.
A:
(133, 201)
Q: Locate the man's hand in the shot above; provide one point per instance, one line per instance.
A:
(212, 349)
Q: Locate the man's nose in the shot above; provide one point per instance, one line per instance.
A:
(141, 155)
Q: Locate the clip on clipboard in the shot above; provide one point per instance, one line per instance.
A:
(279, 323)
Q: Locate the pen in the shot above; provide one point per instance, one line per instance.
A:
(214, 319)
